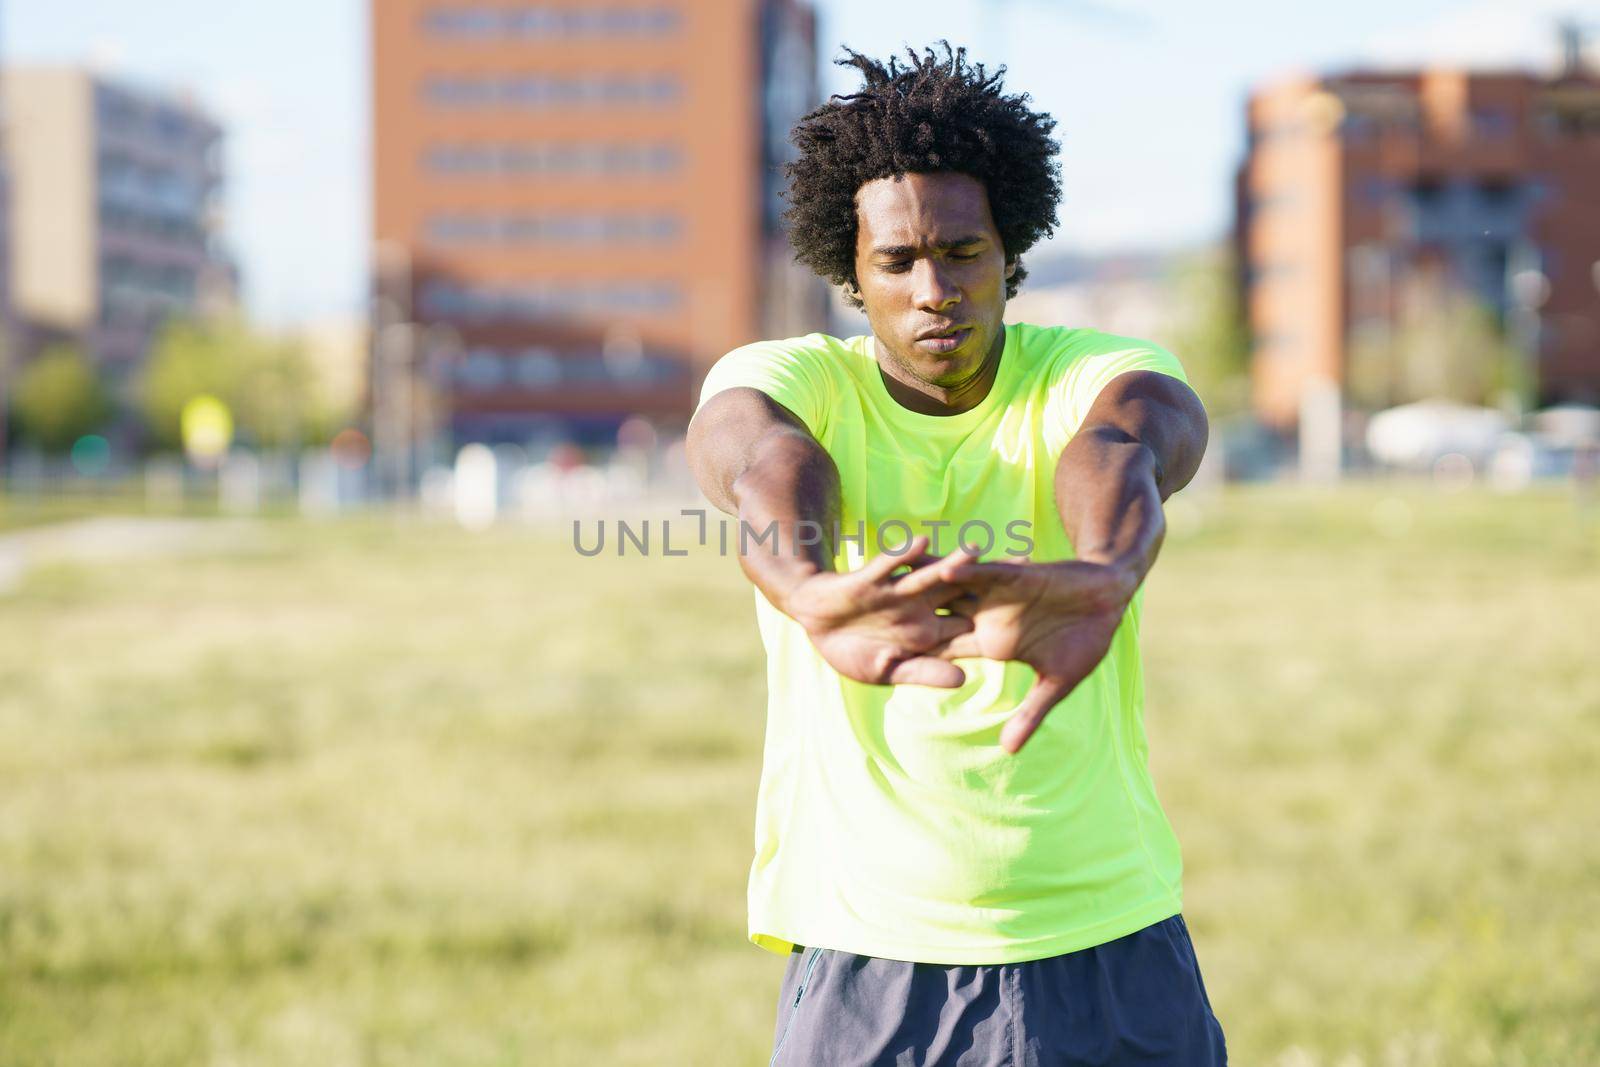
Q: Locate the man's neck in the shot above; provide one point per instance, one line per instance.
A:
(926, 398)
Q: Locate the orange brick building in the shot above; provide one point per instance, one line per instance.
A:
(576, 203)
(1354, 184)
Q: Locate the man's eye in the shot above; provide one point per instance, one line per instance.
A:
(964, 256)
(895, 268)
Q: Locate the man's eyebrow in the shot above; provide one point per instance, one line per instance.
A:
(937, 246)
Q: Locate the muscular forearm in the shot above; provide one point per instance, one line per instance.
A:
(755, 460)
(787, 503)
(1141, 442)
(1110, 504)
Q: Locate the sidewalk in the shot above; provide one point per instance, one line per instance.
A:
(113, 538)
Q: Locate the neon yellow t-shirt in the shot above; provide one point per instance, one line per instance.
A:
(889, 822)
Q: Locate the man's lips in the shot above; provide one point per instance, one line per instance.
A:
(948, 331)
(944, 344)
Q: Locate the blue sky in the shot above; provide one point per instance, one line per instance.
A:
(1148, 95)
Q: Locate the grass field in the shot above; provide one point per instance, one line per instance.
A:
(394, 794)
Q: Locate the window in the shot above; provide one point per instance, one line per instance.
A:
(1360, 128)
(540, 91)
(551, 158)
(1373, 191)
(171, 126)
(1563, 121)
(482, 370)
(1428, 190)
(114, 109)
(486, 23)
(456, 229)
(568, 228)
(532, 301)
(1497, 192)
(1492, 123)
(537, 368)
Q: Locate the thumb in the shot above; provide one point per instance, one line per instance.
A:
(928, 670)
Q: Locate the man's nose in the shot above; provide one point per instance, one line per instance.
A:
(934, 289)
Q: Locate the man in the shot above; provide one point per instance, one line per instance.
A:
(958, 843)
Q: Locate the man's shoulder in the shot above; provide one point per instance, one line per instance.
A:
(809, 345)
(818, 358)
(806, 374)
(1075, 342)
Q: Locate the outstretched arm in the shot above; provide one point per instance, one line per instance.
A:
(1140, 442)
(755, 460)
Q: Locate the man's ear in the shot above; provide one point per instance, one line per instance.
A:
(1011, 267)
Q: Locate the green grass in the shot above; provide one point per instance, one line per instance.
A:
(382, 793)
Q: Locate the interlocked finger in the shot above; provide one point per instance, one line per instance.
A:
(927, 670)
(927, 575)
(886, 563)
(961, 646)
(1045, 695)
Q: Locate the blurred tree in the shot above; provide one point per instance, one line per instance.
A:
(58, 398)
(1369, 368)
(1210, 337)
(1447, 345)
(186, 360)
(274, 397)
(264, 381)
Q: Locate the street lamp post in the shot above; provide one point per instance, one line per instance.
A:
(1530, 289)
(392, 364)
(441, 353)
(393, 407)
(5, 392)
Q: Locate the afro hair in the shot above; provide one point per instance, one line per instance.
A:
(935, 114)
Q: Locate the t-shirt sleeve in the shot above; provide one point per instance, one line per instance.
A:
(1079, 376)
(792, 374)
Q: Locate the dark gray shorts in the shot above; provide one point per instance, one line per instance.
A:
(1136, 1000)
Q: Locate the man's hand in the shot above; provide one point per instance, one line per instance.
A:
(879, 629)
(1140, 442)
(1058, 618)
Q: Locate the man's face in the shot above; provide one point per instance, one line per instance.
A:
(929, 261)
